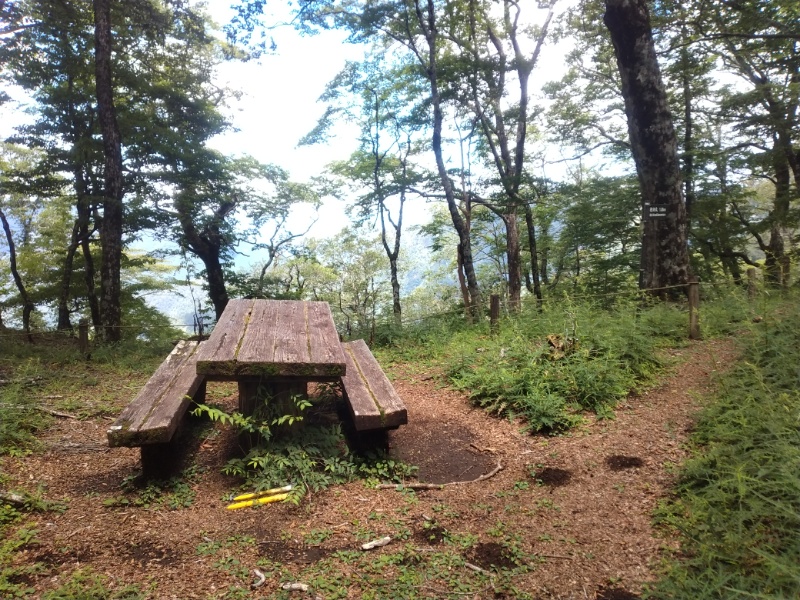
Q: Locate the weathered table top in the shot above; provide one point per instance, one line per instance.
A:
(273, 339)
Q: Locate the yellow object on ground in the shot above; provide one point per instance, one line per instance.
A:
(273, 491)
(256, 501)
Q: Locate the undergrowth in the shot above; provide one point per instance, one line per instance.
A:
(737, 508)
(289, 448)
(50, 374)
(16, 536)
(549, 366)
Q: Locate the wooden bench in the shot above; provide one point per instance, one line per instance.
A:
(152, 418)
(374, 403)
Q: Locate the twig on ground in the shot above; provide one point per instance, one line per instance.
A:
(477, 569)
(295, 587)
(437, 486)
(49, 411)
(487, 449)
(261, 579)
(483, 477)
(376, 543)
(56, 413)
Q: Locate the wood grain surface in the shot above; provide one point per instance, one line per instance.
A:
(373, 401)
(153, 416)
(273, 339)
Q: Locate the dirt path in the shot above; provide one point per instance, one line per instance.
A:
(580, 503)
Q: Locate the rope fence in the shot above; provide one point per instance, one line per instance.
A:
(692, 288)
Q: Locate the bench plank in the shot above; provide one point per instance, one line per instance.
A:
(218, 354)
(276, 339)
(374, 403)
(321, 330)
(153, 416)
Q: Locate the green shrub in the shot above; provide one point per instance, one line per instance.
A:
(542, 366)
(738, 501)
(287, 448)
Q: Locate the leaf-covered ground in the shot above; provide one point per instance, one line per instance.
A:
(566, 517)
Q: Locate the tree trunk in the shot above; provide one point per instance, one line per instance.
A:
(777, 260)
(665, 257)
(205, 245)
(111, 227)
(27, 305)
(534, 273)
(513, 256)
(428, 26)
(66, 281)
(462, 285)
(89, 271)
(688, 135)
(79, 238)
(215, 276)
(396, 308)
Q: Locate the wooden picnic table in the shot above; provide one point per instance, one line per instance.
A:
(276, 345)
(271, 346)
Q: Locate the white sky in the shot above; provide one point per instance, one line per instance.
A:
(279, 105)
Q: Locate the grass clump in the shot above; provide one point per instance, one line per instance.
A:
(19, 419)
(83, 584)
(548, 367)
(737, 509)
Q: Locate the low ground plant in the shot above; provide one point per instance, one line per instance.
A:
(737, 508)
(547, 367)
(289, 448)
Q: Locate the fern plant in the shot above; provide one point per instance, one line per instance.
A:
(287, 448)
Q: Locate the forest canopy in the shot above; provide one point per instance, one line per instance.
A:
(536, 187)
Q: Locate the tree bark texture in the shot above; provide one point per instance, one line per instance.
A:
(27, 305)
(534, 272)
(427, 22)
(665, 257)
(111, 227)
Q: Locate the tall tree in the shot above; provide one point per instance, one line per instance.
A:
(493, 50)
(211, 212)
(111, 228)
(27, 304)
(665, 258)
(416, 26)
(382, 172)
(52, 59)
(758, 42)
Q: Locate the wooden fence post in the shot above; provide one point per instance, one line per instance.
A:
(83, 337)
(494, 312)
(751, 283)
(694, 308)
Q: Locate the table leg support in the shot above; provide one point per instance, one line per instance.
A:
(279, 393)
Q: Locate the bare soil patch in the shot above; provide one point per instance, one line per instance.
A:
(580, 502)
